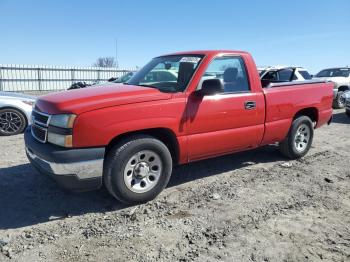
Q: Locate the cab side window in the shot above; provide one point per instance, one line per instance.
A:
(287, 75)
(283, 75)
(231, 71)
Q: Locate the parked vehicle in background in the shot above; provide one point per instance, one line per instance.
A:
(177, 109)
(78, 85)
(340, 76)
(15, 112)
(285, 74)
(346, 96)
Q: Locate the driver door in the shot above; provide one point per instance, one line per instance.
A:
(226, 122)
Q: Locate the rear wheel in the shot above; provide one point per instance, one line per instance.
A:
(299, 139)
(339, 101)
(137, 169)
(12, 122)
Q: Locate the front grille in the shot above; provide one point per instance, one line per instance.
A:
(40, 118)
(40, 122)
(39, 133)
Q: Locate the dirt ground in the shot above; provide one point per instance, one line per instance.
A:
(250, 206)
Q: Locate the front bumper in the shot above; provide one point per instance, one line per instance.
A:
(74, 169)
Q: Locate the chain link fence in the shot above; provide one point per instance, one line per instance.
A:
(23, 78)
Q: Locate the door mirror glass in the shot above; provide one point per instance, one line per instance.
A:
(211, 87)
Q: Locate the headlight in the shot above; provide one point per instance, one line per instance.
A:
(29, 102)
(64, 121)
(59, 131)
(60, 140)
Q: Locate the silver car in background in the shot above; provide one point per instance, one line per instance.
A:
(15, 112)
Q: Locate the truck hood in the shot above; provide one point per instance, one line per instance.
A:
(91, 98)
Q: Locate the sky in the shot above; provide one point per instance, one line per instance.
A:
(311, 33)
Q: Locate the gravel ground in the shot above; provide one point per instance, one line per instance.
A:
(251, 206)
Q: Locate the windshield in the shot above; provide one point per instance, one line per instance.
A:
(335, 72)
(167, 73)
(124, 78)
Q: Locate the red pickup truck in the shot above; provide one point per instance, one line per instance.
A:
(178, 108)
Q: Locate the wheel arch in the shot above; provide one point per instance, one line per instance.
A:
(311, 112)
(343, 88)
(165, 135)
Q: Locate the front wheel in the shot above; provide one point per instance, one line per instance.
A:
(137, 169)
(299, 139)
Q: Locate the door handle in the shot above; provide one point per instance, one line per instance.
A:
(249, 105)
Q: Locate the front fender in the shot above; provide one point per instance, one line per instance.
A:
(99, 127)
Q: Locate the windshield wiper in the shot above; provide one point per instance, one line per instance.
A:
(147, 86)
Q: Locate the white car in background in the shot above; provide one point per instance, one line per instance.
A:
(284, 74)
(15, 112)
(340, 76)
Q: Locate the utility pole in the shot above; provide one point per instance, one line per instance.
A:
(116, 53)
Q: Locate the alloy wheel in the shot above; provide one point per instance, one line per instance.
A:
(10, 122)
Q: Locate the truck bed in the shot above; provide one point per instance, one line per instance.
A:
(283, 101)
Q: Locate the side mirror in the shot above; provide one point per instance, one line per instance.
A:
(211, 87)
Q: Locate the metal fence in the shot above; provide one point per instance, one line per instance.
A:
(23, 78)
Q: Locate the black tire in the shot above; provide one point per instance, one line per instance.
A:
(116, 162)
(338, 102)
(12, 122)
(288, 146)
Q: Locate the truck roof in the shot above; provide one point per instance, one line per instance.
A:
(207, 52)
(281, 67)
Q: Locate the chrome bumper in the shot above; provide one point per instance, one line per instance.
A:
(74, 169)
(82, 169)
